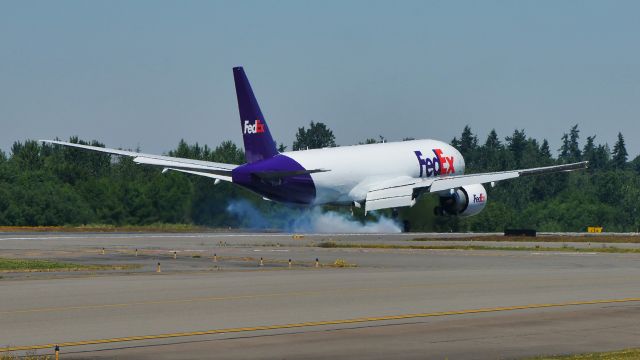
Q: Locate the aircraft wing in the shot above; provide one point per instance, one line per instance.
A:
(403, 191)
(197, 167)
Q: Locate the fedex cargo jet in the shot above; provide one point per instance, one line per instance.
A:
(373, 176)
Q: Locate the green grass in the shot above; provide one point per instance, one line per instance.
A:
(17, 265)
(26, 357)
(629, 354)
(158, 227)
(331, 244)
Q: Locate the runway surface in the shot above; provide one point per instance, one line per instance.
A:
(394, 303)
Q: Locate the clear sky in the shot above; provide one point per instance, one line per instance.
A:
(148, 73)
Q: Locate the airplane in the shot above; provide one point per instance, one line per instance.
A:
(388, 175)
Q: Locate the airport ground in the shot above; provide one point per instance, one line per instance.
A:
(215, 300)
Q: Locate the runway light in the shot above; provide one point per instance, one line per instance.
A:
(158, 268)
(102, 251)
(136, 252)
(175, 254)
(261, 262)
(215, 258)
(289, 263)
(57, 351)
(317, 263)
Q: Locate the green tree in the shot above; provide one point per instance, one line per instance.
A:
(545, 152)
(619, 155)
(635, 164)
(564, 149)
(517, 144)
(589, 150)
(468, 147)
(491, 158)
(228, 152)
(468, 141)
(602, 159)
(316, 137)
(574, 147)
(570, 149)
(492, 142)
(380, 139)
(27, 155)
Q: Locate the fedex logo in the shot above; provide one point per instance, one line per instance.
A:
(479, 198)
(438, 165)
(256, 128)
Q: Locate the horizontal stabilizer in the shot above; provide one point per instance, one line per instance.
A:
(284, 174)
(201, 173)
(181, 165)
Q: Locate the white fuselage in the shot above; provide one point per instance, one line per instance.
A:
(353, 169)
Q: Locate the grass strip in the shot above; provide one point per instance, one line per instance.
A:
(331, 244)
(629, 354)
(159, 227)
(28, 265)
(26, 357)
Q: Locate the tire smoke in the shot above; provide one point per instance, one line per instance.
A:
(307, 220)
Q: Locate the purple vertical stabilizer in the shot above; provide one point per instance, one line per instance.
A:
(258, 143)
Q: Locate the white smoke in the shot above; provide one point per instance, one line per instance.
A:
(312, 220)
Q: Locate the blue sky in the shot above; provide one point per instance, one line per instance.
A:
(148, 73)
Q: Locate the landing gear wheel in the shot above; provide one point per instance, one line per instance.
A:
(406, 226)
(394, 213)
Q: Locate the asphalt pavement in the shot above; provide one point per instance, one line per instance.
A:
(384, 303)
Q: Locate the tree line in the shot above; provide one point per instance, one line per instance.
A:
(606, 194)
(43, 184)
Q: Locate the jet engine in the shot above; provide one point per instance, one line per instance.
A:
(463, 201)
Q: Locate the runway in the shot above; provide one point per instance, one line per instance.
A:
(394, 303)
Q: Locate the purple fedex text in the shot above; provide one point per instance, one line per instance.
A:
(435, 166)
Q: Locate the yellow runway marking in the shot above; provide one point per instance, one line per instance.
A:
(314, 323)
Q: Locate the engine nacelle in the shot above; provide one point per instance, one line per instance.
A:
(463, 201)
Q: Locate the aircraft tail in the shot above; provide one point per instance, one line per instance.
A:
(258, 143)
